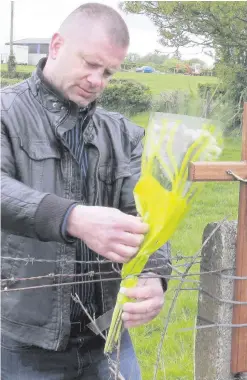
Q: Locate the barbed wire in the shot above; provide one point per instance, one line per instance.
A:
(189, 280)
(6, 289)
(32, 260)
(91, 274)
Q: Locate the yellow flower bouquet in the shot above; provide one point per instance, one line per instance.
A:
(164, 194)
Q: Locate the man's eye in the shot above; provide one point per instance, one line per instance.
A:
(93, 65)
(108, 74)
(90, 64)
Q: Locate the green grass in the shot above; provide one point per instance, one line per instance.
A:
(217, 201)
(26, 68)
(10, 81)
(163, 82)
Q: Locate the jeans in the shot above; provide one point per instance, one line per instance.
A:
(77, 362)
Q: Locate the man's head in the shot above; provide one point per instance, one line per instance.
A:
(88, 48)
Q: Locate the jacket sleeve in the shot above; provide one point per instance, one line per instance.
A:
(25, 211)
(160, 262)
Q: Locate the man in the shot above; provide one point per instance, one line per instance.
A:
(68, 173)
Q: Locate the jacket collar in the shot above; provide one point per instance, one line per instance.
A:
(51, 98)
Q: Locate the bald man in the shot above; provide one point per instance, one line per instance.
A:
(68, 213)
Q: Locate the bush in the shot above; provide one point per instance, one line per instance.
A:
(8, 82)
(210, 89)
(126, 96)
(174, 101)
(17, 74)
(189, 103)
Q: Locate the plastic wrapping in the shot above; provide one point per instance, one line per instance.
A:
(163, 194)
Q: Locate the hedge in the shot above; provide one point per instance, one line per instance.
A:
(8, 82)
(205, 89)
(18, 75)
(126, 96)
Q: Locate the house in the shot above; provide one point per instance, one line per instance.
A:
(20, 53)
(37, 48)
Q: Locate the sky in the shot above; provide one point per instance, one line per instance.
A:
(41, 18)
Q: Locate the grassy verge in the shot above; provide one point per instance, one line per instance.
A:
(217, 201)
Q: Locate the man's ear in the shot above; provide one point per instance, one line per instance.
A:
(56, 42)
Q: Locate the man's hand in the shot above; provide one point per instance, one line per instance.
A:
(107, 231)
(149, 297)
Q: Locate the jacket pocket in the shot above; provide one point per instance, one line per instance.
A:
(110, 181)
(39, 164)
(40, 150)
(31, 280)
(12, 345)
(10, 243)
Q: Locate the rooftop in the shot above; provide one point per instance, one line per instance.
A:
(30, 41)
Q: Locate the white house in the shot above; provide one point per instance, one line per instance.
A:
(37, 48)
(20, 53)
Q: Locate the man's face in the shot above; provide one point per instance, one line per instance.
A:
(83, 66)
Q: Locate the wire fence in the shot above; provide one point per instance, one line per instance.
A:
(183, 272)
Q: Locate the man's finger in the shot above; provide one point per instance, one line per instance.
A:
(144, 307)
(133, 225)
(132, 240)
(142, 292)
(138, 317)
(115, 258)
(124, 250)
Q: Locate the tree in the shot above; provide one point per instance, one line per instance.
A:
(154, 58)
(193, 61)
(219, 25)
(171, 64)
(133, 57)
(177, 54)
(215, 24)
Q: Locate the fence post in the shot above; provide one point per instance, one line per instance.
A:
(213, 345)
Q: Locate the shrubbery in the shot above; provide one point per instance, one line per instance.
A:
(212, 89)
(173, 101)
(8, 82)
(126, 96)
(17, 75)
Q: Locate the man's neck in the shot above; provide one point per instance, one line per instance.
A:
(48, 77)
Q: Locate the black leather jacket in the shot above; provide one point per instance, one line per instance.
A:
(38, 186)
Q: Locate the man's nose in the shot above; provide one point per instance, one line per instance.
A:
(95, 79)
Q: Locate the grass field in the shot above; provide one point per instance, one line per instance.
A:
(162, 82)
(217, 201)
(157, 82)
